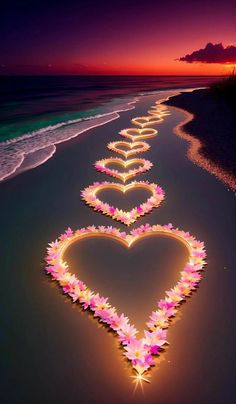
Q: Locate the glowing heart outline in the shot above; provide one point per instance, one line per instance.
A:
(145, 166)
(145, 121)
(126, 217)
(159, 110)
(144, 146)
(157, 113)
(140, 352)
(144, 133)
(161, 107)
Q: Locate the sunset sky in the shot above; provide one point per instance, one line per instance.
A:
(123, 37)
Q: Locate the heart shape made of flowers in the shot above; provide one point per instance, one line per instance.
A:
(101, 165)
(139, 351)
(144, 121)
(136, 134)
(89, 195)
(133, 147)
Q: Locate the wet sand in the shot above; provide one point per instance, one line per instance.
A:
(53, 352)
(213, 123)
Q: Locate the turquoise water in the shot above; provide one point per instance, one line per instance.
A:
(18, 128)
(31, 103)
(36, 113)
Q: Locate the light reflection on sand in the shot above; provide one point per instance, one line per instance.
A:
(195, 152)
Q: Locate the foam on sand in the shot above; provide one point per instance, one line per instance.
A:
(33, 149)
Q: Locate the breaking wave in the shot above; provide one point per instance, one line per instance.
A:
(35, 148)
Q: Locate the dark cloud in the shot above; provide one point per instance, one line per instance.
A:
(212, 54)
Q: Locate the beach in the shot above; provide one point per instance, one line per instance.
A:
(39, 112)
(52, 349)
(213, 123)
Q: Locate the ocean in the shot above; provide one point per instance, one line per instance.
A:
(38, 112)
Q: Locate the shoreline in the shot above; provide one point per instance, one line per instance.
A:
(194, 152)
(205, 138)
(22, 152)
(31, 150)
(39, 146)
(40, 204)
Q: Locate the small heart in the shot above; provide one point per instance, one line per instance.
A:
(144, 166)
(135, 134)
(157, 113)
(139, 351)
(161, 109)
(134, 148)
(89, 195)
(144, 121)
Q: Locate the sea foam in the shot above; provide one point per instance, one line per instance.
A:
(35, 148)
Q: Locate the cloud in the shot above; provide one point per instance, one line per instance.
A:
(212, 53)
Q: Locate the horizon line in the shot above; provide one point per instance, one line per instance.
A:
(113, 75)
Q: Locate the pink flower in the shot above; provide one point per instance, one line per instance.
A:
(105, 314)
(75, 291)
(168, 226)
(175, 296)
(85, 298)
(91, 228)
(67, 280)
(155, 338)
(191, 277)
(126, 333)
(154, 350)
(190, 268)
(135, 350)
(99, 303)
(158, 319)
(118, 322)
(134, 232)
(54, 246)
(112, 210)
(165, 304)
(69, 232)
(199, 254)
(148, 360)
(158, 337)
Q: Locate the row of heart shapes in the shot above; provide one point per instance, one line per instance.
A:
(89, 194)
(139, 351)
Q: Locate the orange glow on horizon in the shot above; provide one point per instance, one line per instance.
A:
(120, 65)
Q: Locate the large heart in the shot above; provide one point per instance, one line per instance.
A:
(136, 134)
(144, 121)
(134, 148)
(101, 165)
(89, 195)
(139, 351)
